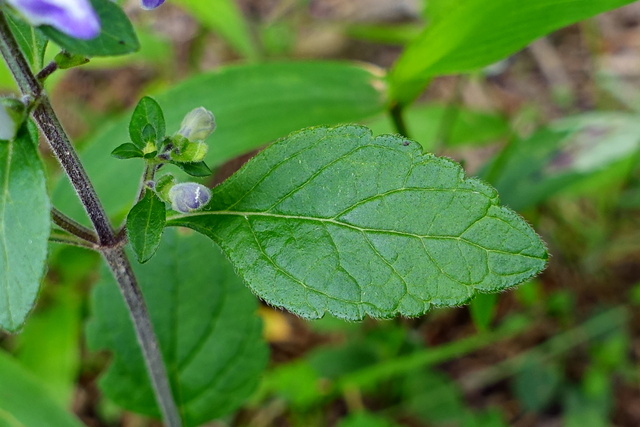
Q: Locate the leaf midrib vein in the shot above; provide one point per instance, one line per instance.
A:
(246, 215)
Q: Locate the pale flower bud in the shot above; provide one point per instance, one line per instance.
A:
(197, 125)
(188, 196)
(12, 114)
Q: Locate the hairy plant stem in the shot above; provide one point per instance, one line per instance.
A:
(110, 246)
(68, 224)
(60, 236)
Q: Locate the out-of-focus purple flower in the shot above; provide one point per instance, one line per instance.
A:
(151, 4)
(188, 196)
(75, 18)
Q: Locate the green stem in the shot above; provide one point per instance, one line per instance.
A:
(59, 236)
(429, 357)
(398, 120)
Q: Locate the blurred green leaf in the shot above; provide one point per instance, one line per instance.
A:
(225, 18)
(398, 34)
(205, 321)
(536, 384)
(145, 224)
(562, 155)
(483, 308)
(333, 220)
(31, 40)
(428, 122)
(584, 410)
(25, 224)
(147, 123)
(253, 105)
(475, 33)
(433, 397)
(49, 345)
(333, 362)
(24, 401)
(117, 36)
(297, 382)
(365, 419)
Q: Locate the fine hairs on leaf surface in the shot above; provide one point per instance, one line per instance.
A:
(206, 324)
(334, 220)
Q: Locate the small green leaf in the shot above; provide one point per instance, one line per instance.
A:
(127, 151)
(206, 324)
(145, 223)
(24, 402)
(117, 36)
(194, 168)
(31, 40)
(66, 60)
(472, 34)
(147, 123)
(24, 228)
(331, 219)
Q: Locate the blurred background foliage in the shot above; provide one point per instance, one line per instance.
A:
(553, 127)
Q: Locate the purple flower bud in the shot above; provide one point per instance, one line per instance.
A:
(151, 4)
(75, 18)
(188, 196)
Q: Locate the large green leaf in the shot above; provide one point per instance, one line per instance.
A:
(24, 227)
(224, 17)
(206, 324)
(253, 105)
(331, 219)
(24, 402)
(475, 33)
(117, 36)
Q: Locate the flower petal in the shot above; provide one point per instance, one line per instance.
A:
(151, 4)
(75, 18)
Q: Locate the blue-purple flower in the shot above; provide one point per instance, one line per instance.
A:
(151, 4)
(75, 18)
(72, 17)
